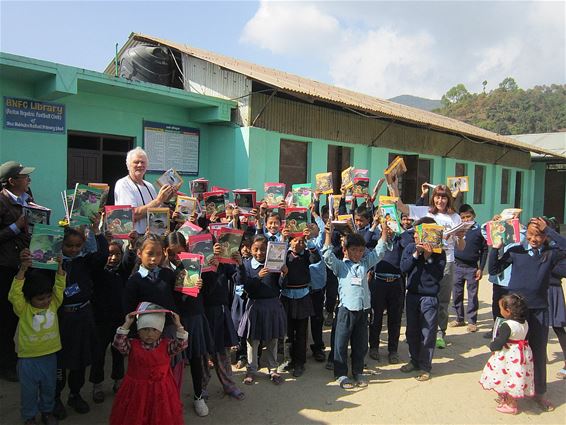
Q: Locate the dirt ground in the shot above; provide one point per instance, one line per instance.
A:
(452, 396)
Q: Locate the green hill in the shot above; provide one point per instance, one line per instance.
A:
(416, 102)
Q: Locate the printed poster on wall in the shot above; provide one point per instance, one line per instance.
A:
(171, 146)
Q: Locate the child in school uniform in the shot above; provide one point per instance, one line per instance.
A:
(424, 270)
(353, 309)
(36, 300)
(533, 262)
(239, 301)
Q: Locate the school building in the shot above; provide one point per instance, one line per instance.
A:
(240, 125)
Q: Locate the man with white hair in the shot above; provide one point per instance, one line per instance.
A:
(135, 191)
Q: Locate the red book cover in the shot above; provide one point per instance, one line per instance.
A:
(214, 229)
(361, 187)
(198, 187)
(229, 240)
(503, 231)
(190, 273)
(204, 245)
(189, 229)
(214, 202)
(245, 200)
(119, 220)
(296, 220)
(274, 194)
(146, 307)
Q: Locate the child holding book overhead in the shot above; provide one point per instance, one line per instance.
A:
(354, 306)
(509, 370)
(36, 300)
(148, 394)
(264, 320)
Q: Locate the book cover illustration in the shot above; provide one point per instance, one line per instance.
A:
(170, 177)
(344, 224)
(431, 234)
(86, 203)
(214, 203)
(360, 173)
(147, 307)
(198, 187)
(204, 245)
(245, 200)
(361, 187)
(105, 191)
(189, 229)
(503, 232)
(275, 256)
(302, 195)
(189, 274)
(214, 229)
(296, 220)
(274, 194)
(388, 200)
(158, 220)
(390, 217)
(333, 205)
(45, 246)
(509, 213)
(229, 240)
(36, 214)
(324, 183)
(347, 178)
(395, 168)
(185, 207)
(226, 192)
(119, 220)
(456, 184)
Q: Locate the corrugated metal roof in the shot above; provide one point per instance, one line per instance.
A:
(340, 96)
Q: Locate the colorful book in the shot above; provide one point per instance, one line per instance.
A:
(105, 191)
(86, 203)
(230, 241)
(296, 219)
(324, 183)
(509, 213)
(361, 187)
(36, 214)
(456, 184)
(226, 192)
(360, 173)
(204, 245)
(189, 229)
(276, 256)
(170, 177)
(503, 232)
(431, 234)
(119, 220)
(344, 224)
(198, 187)
(45, 246)
(333, 205)
(302, 195)
(391, 218)
(190, 274)
(347, 178)
(214, 229)
(274, 194)
(395, 168)
(158, 220)
(185, 207)
(214, 203)
(146, 307)
(245, 200)
(388, 200)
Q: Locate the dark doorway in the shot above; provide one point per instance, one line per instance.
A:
(96, 158)
(418, 172)
(338, 159)
(293, 163)
(554, 183)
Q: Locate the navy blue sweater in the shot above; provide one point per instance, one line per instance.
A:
(475, 250)
(267, 287)
(423, 276)
(530, 274)
(298, 275)
(391, 261)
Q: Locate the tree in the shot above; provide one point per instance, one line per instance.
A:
(454, 95)
(508, 84)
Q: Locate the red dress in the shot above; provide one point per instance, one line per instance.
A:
(148, 395)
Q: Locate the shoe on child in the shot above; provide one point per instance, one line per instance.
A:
(49, 419)
(97, 393)
(201, 409)
(78, 404)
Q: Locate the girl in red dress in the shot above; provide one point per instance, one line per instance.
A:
(148, 394)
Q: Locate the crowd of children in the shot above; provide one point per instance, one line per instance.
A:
(123, 294)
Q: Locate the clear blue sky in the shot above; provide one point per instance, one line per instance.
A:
(380, 48)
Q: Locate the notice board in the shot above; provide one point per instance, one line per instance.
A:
(171, 146)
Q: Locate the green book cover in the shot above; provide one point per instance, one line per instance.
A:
(302, 195)
(86, 202)
(45, 246)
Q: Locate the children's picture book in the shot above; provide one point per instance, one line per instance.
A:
(198, 187)
(347, 178)
(464, 226)
(344, 224)
(86, 203)
(333, 205)
(245, 200)
(147, 307)
(105, 191)
(214, 203)
(119, 220)
(361, 187)
(456, 184)
(509, 213)
(503, 232)
(324, 183)
(185, 207)
(158, 220)
(36, 214)
(204, 245)
(189, 229)
(274, 194)
(388, 200)
(360, 173)
(296, 219)
(431, 234)
(190, 274)
(302, 195)
(391, 218)
(276, 255)
(395, 168)
(45, 246)
(214, 229)
(226, 192)
(230, 241)
(170, 177)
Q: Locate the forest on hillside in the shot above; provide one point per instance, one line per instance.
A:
(508, 109)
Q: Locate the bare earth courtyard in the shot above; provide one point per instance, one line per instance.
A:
(452, 396)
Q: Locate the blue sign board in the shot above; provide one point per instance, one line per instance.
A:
(32, 115)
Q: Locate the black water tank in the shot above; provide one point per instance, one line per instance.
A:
(147, 63)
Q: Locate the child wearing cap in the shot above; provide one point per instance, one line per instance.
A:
(148, 394)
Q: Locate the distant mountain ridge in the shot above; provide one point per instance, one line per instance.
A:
(417, 102)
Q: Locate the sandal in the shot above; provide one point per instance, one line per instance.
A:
(505, 408)
(276, 378)
(425, 376)
(237, 394)
(544, 404)
(249, 379)
(360, 382)
(346, 383)
(409, 367)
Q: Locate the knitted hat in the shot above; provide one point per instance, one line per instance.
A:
(151, 320)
